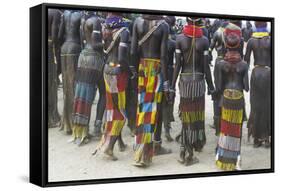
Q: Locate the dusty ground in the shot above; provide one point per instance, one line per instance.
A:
(67, 161)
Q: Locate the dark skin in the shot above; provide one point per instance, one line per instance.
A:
(184, 65)
(53, 24)
(119, 54)
(187, 62)
(58, 50)
(92, 33)
(53, 28)
(85, 16)
(261, 49)
(247, 32)
(82, 35)
(54, 17)
(69, 31)
(214, 27)
(241, 47)
(155, 47)
(217, 43)
(93, 40)
(260, 82)
(167, 113)
(233, 76)
(69, 36)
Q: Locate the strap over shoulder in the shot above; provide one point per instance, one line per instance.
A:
(150, 32)
(116, 35)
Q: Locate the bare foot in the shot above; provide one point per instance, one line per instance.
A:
(159, 150)
(257, 144)
(191, 161)
(55, 124)
(68, 132)
(71, 140)
(182, 161)
(169, 137)
(83, 141)
(140, 164)
(198, 150)
(182, 156)
(109, 154)
(178, 138)
(122, 147)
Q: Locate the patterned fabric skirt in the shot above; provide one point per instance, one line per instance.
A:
(229, 143)
(192, 110)
(115, 111)
(87, 76)
(149, 97)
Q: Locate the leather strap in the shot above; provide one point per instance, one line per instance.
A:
(115, 37)
(149, 33)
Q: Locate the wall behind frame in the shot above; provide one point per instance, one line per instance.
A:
(14, 78)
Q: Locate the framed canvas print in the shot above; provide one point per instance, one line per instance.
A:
(130, 95)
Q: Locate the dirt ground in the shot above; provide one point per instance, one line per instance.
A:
(68, 162)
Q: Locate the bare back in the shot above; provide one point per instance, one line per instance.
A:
(193, 59)
(70, 31)
(234, 76)
(92, 32)
(261, 48)
(151, 48)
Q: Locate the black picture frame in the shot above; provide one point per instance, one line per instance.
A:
(39, 89)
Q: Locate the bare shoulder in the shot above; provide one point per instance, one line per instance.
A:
(165, 25)
(243, 65)
(93, 21)
(125, 33)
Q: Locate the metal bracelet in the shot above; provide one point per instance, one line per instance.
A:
(166, 85)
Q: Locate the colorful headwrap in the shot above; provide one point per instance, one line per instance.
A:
(232, 36)
(261, 30)
(260, 24)
(192, 31)
(114, 22)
